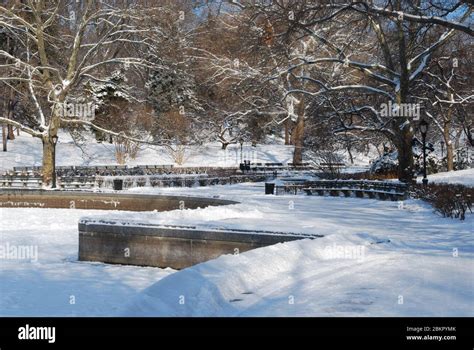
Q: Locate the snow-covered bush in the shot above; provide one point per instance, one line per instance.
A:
(433, 164)
(387, 163)
(463, 158)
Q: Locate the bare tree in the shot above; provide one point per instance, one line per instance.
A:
(390, 53)
(448, 94)
(63, 45)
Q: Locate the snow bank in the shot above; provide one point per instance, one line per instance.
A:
(414, 263)
(301, 279)
(463, 177)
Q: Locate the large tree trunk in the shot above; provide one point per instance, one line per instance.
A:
(403, 128)
(48, 161)
(405, 156)
(49, 151)
(298, 133)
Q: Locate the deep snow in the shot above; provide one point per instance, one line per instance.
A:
(402, 260)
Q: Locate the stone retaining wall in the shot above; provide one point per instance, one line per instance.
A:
(167, 246)
(103, 200)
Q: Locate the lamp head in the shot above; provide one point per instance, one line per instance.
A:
(424, 127)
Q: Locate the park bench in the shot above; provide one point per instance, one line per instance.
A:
(358, 188)
(328, 166)
(20, 182)
(301, 166)
(347, 188)
(359, 193)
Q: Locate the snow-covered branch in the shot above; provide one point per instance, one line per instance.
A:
(22, 127)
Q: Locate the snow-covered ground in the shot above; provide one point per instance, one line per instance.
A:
(376, 259)
(56, 284)
(27, 151)
(463, 177)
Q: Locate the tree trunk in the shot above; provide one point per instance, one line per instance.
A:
(11, 134)
(447, 137)
(4, 137)
(403, 127)
(49, 154)
(224, 145)
(298, 133)
(351, 158)
(450, 156)
(405, 156)
(287, 132)
(9, 106)
(4, 127)
(449, 146)
(48, 161)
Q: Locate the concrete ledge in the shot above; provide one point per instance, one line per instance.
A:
(168, 246)
(103, 200)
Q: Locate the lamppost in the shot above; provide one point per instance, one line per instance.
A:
(55, 141)
(424, 131)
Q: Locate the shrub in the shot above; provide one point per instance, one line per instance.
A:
(387, 163)
(451, 201)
